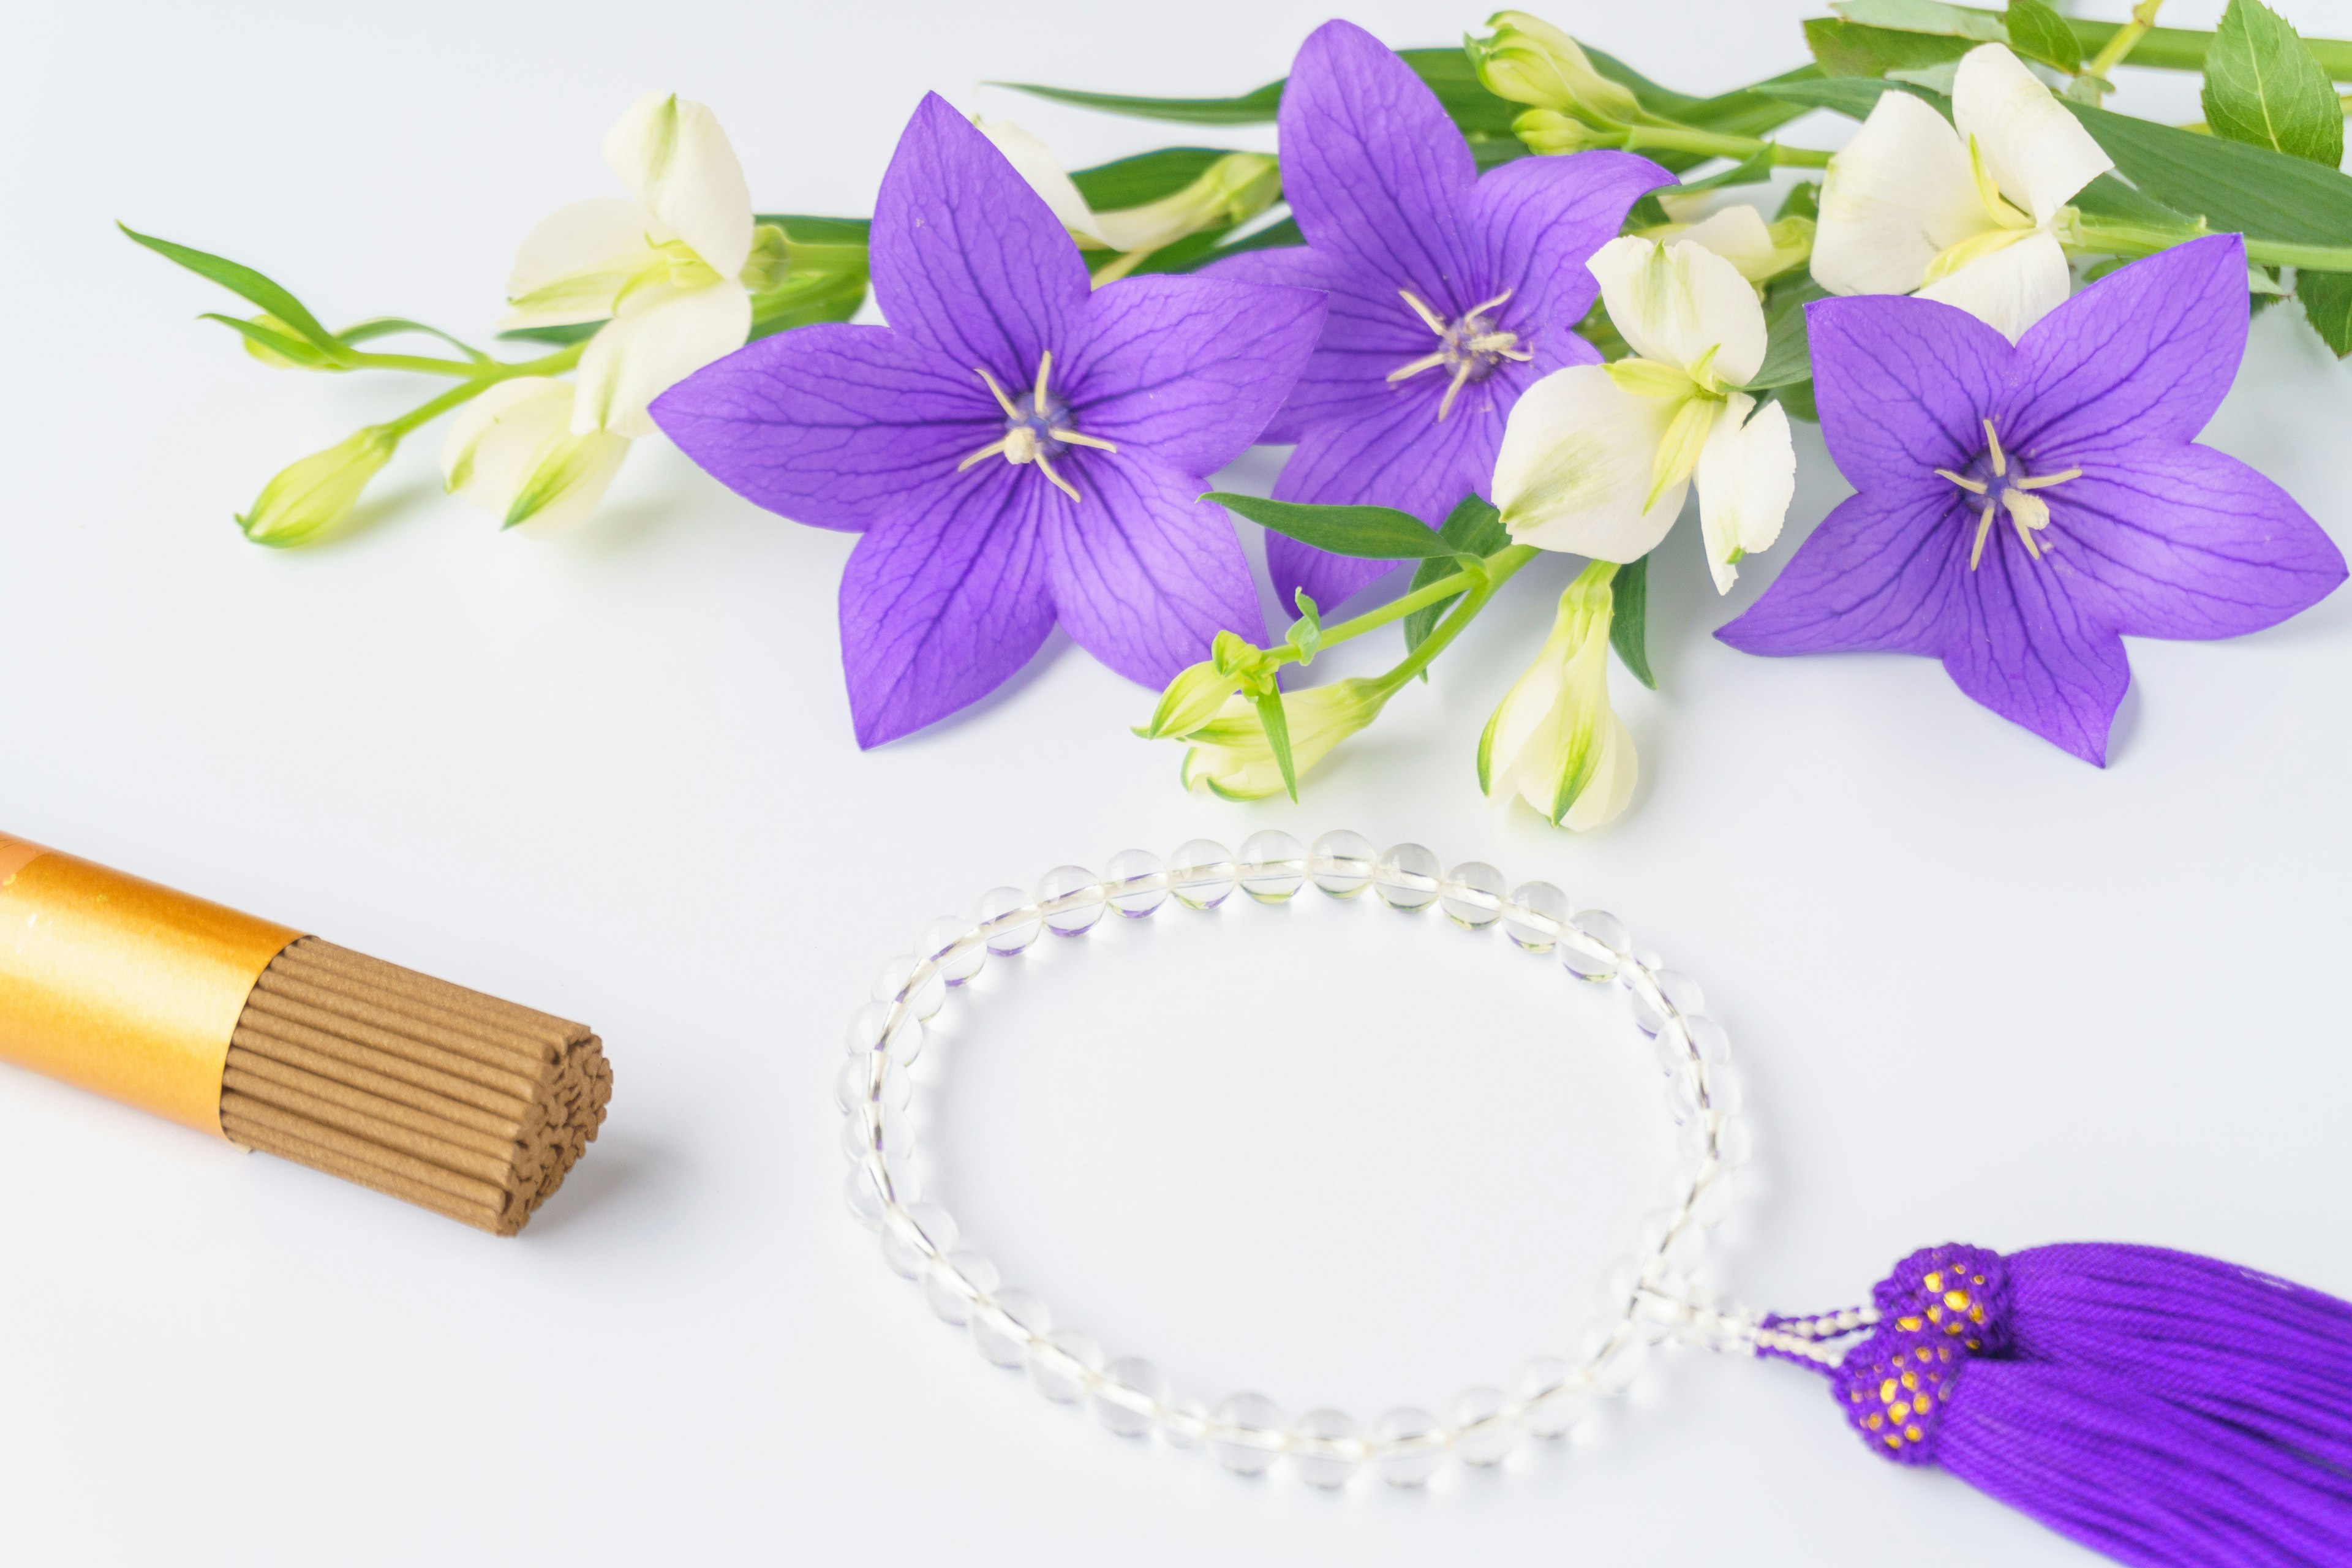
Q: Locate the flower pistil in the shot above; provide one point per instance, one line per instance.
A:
(1037, 428)
(2013, 491)
(1470, 348)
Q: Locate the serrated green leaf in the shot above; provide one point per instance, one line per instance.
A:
(245, 282)
(1367, 532)
(1628, 623)
(2039, 33)
(1472, 528)
(1146, 177)
(2327, 303)
(1276, 724)
(2231, 186)
(1848, 49)
(2263, 88)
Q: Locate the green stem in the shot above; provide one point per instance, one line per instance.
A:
(2137, 239)
(1500, 568)
(466, 369)
(2126, 39)
(1395, 609)
(2184, 49)
(480, 379)
(1716, 144)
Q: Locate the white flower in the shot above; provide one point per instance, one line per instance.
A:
(671, 270)
(1554, 742)
(1961, 212)
(1740, 236)
(1232, 757)
(514, 450)
(1236, 187)
(1596, 459)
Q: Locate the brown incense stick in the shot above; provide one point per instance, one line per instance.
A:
(463, 1103)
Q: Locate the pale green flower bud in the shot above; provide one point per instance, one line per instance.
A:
(1554, 741)
(1235, 188)
(311, 497)
(1528, 61)
(1549, 132)
(1234, 665)
(1232, 757)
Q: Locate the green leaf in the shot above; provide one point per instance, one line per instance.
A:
(2327, 303)
(1255, 108)
(1854, 97)
(1368, 532)
(1803, 200)
(1146, 177)
(1195, 251)
(1744, 111)
(1449, 74)
(1925, 16)
(2108, 197)
(570, 332)
(367, 331)
(1787, 357)
(1277, 736)
(294, 351)
(2263, 88)
(243, 281)
(1306, 633)
(1844, 48)
(1473, 528)
(2252, 190)
(2039, 33)
(1628, 630)
(802, 230)
(1797, 398)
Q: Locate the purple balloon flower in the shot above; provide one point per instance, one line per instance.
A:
(1451, 294)
(2021, 509)
(1015, 447)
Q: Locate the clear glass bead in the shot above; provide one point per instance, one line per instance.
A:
(864, 1198)
(1407, 877)
(949, 943)
(906, 1176)
(906, 1258)
(1683, 1088)
(1071, 899)
(1734, 1145)
(1002, 1335)
(1602, 929)
(1255, 1438)
(1017, 932)
(1327, 1447)
(1130, 1391)
(866, 1025)
(853, 1086)
(1707, 1039)
(1647, 1016)
(1472, 894)
(1671, 1049)
(859, 1138)
(924, 998)
(1202, 873)
(1725, 1091)
(1138, 882)
(1535, 915)
(1059, 1368)
(1273, 864)
(1713, 1197)
(1341, 863)
(1484, 1431)
(1183, 1423)
(1680, 990)
(1556, 1396)
(956, 1281)
(1413, 1445)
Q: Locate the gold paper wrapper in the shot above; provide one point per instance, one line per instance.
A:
(123, 986)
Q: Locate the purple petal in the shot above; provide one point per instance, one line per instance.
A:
(1876, 574)
(1379, 177)
(1902, 385)
(2166, 540)
(829, 425)
(1145, 574)
(944, 599)
(1289, 267)
(2019, 645)
(1540, 219)
(2147, 353)
(1188, 370)
(968, 260)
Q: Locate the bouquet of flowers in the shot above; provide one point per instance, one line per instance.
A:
(1497, 299)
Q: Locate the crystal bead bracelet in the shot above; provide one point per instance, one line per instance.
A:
(1648, 1298)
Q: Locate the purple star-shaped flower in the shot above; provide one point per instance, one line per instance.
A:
(1015, 447)
(2021, 509)
(1451, 294)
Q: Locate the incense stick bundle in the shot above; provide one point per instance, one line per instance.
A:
(465, 1104)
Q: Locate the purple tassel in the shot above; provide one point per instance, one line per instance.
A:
(2166, 1409)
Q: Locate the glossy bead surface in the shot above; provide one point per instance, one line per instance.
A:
(1272, 865)
(1603, 931)
(1472, 894)
(1707, 1039)
(1534, 916)
(1257, 1439)
(924, 997)
(1183, 1423)
(907, 1257)
(1131, 1390)
(859, 1137)
(854, 1085)
(1407, 876)
(1202, 873)
(1138, 882)
(1555, 1396)
(1071, 900)
(1327, 1447)
(1060, 1367)
(1341, 863)
(954, 1281)
(943, 942)
(1414, 1446)
(1483, 1434)
(864, 1198)
(1018, 932)
(1005, 1344)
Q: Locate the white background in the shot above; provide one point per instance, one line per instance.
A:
(1981, 990)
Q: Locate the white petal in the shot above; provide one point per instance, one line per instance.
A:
(1738, 233)
(1675, 302)
(575, 263)
(1746, 477)
(673, 154)
(1893, 197)
(2010, 289)
(662, 336)
(1032, 161)
(1528, 721)
(512, 451)
(2036, 152)
(1578, 457)
(1611, 788)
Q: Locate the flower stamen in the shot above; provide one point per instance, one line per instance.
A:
(1470, 347)
(1037, 429)
(2012, 492)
